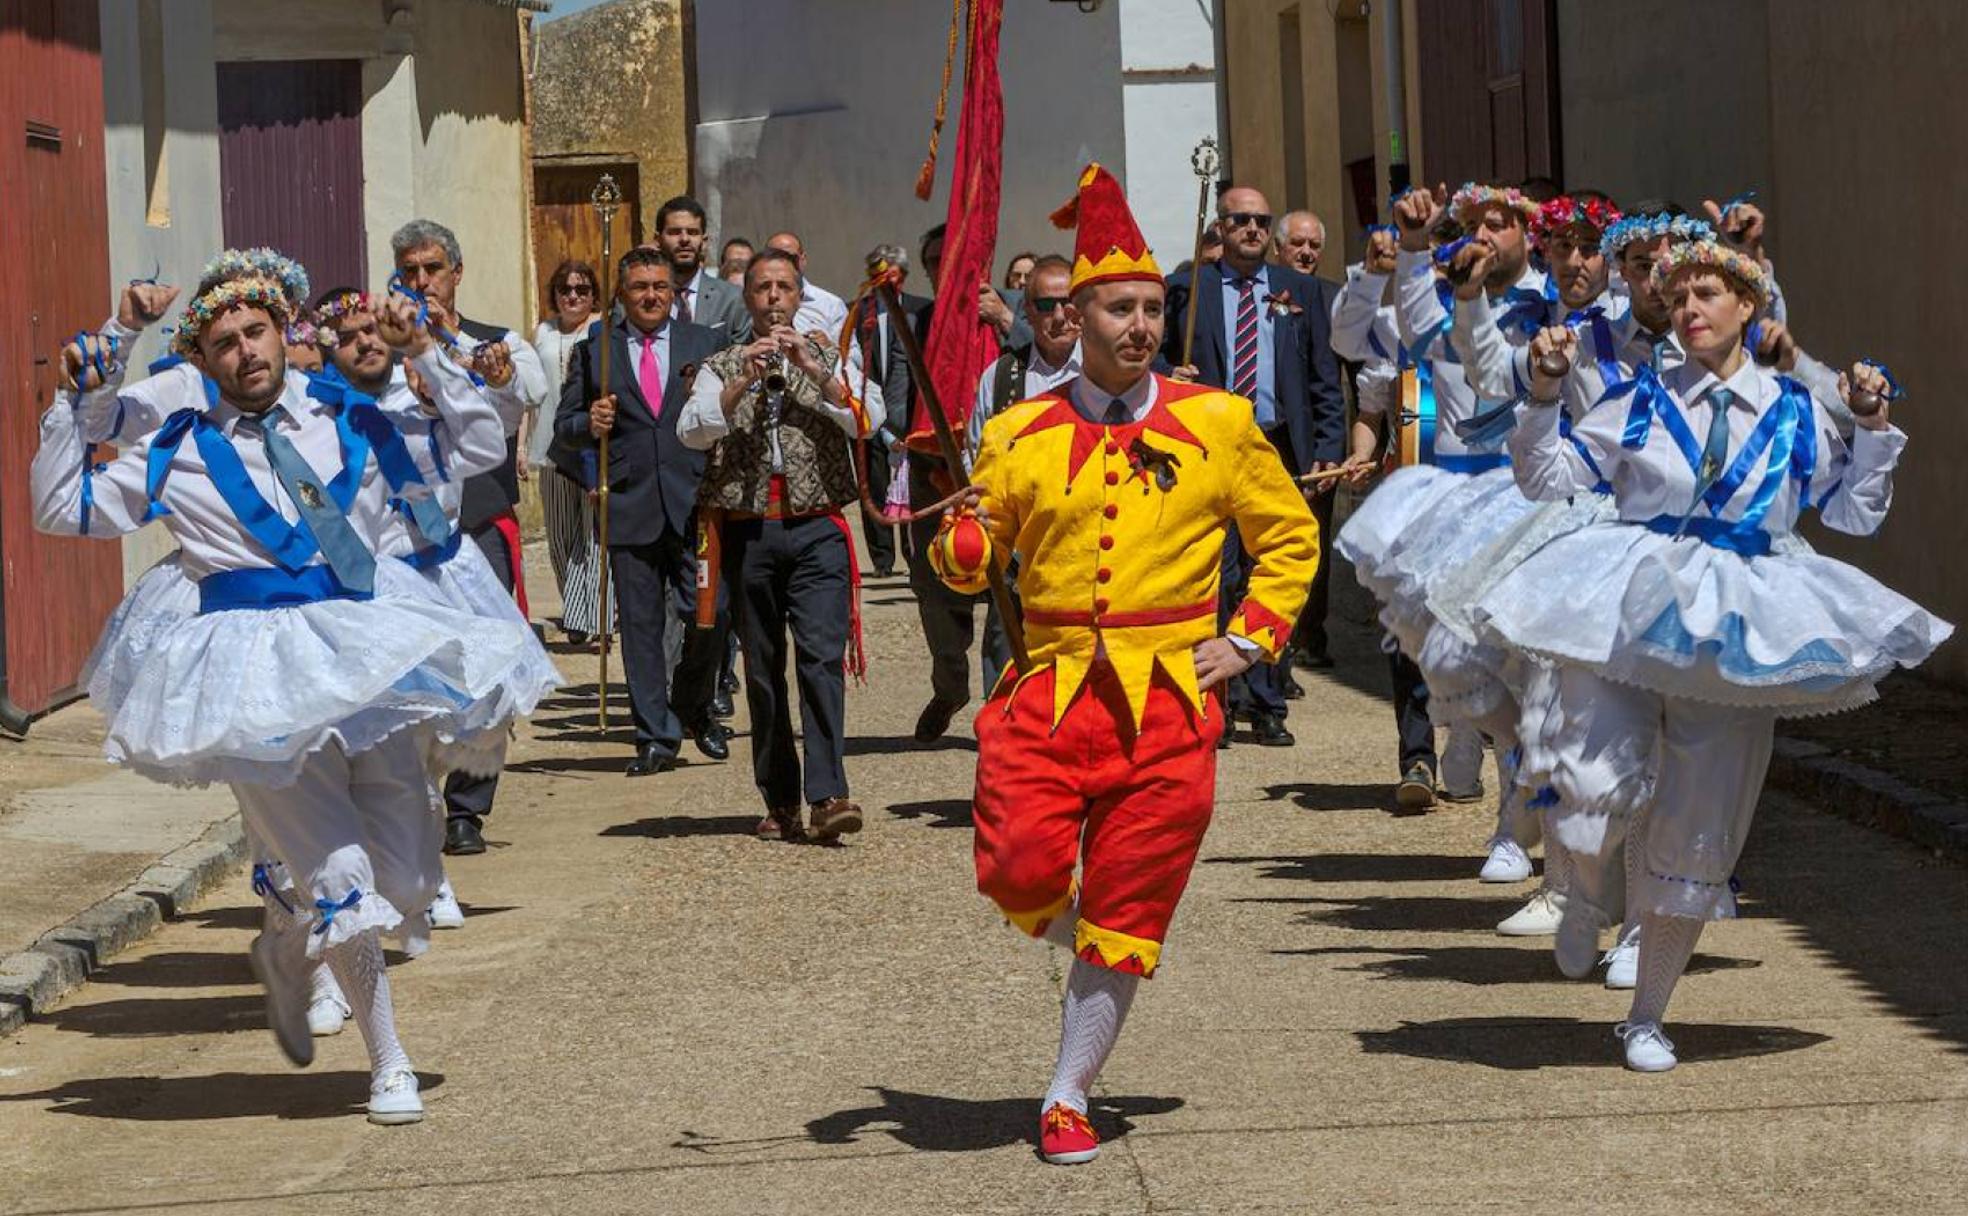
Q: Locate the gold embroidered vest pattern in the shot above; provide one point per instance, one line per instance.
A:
(817, 457)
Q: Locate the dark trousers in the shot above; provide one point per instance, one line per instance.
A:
(466, 796)
(1410, 709)
(1261, 690)
(1309, 637)
(656, 585)
(880, 536)
(949, 619)
(793, 576)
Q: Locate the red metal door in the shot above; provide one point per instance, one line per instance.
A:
(54, 279)
(290, 163)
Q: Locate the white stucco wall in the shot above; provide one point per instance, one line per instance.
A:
(814, 115)
(1168, 57)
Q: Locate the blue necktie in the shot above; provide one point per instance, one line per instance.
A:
(1118, 413)
(354, 565)
(1716, 451)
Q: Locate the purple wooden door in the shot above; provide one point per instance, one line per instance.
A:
(290, 163)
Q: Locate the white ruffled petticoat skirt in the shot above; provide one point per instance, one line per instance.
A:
(247, 695)
(1792, 631)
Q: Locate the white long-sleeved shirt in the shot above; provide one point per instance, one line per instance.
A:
(1500, 369)
(821, 310)
(703, 421)
(1852, 486)
(1366, 331)
(210, 537)
(1424, 323)
(528, 389)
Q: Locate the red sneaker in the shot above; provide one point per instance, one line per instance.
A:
(1065, 1136)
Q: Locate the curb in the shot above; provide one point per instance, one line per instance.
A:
(1870, 797)
(62, 958)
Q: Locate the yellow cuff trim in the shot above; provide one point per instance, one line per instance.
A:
(1035, 922)
(1116, 951)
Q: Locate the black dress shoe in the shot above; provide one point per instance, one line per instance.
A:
(462, 837)
(1293, 690)
(721, 706)
(576, 638)
(1269, 731)
(935, 720)
(728, 684)
(649, 761)
(713, 740)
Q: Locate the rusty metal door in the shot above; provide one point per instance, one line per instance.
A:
(290, 164)
(54, 275)
(565, 224)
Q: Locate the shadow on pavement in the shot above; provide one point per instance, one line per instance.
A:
(1520, 1044)
(234, 916)
(1327, 796)
(229, 1095)
(667, 827)
(576, 764)
(1387, 914)
(941, 813)
(1358, 867)
(180, 969)
(1482, 966)
(931, 1123)
(145, 1017)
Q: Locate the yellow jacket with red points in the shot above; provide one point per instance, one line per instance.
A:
(1119, 534)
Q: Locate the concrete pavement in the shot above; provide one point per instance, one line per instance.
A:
(649, 1011)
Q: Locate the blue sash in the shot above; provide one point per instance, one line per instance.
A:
(266, 587)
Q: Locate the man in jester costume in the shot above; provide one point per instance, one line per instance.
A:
(1113, 491)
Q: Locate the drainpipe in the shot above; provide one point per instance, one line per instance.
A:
(1394, 79)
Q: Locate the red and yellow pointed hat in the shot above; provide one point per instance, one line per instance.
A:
(1108, 247)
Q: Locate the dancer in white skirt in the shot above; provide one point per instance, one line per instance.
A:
(313, 671)
(1426, 519)
(1685, 627)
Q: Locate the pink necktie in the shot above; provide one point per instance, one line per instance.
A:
(649, 377)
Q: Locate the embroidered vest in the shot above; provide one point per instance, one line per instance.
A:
(816, 456)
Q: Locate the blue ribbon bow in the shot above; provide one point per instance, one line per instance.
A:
(329, 909)
(264, 888)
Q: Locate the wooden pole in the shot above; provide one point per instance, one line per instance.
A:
(946, 442)
(607, 197)
(1203, 161)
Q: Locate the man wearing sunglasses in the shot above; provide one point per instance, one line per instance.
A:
(1264, 332)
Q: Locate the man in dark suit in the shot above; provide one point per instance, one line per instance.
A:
(1263, 331)
(701, 297)
(652, 480)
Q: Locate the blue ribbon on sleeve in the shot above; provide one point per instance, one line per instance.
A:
(264, 888)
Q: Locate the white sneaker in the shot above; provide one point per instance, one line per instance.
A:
(1577, 945)
(1537, 918)
(393, 1099)
(1508, 862)
(286, 996)
(444, 910)
(1647, 1049)
(1623, 961)
(326, 1016)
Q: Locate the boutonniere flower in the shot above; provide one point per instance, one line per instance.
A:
(1280, 303)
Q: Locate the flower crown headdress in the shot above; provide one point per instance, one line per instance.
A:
(1650, 228)
(1468, 203)
(1732, 263)
(334, 307)
(264, 262)
(250, 291)
(1565, 211)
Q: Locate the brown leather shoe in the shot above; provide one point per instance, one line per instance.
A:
(834, 818)
(782, 823)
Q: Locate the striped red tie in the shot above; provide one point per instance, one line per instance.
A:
(1243, 380)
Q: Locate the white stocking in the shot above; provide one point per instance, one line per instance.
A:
(358, 965)
(1666, 945)
(1097, 1001)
